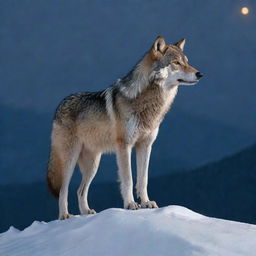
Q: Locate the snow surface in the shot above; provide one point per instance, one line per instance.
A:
(172, 230)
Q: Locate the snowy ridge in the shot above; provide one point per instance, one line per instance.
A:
(172, 230)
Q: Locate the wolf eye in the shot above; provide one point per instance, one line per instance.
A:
(176, 63)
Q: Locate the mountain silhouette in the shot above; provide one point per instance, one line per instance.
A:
(224, 189)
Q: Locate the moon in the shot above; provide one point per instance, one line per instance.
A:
(245, 10)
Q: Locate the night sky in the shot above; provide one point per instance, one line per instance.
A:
(50, 49)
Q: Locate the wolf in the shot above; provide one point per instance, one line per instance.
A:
(126, 115)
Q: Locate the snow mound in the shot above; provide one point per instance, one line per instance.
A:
(172, 230)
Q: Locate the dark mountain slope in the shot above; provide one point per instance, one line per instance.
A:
(225, 189)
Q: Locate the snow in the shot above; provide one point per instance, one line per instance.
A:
(172, 230)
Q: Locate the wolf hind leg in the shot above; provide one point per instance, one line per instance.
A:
(68, 170)
(65, 150)
(88, 164)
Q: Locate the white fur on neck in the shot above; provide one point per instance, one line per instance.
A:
(108, 93)
(138, 83)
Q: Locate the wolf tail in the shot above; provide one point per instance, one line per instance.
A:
(54, 173)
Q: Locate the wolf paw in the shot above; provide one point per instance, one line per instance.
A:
(66, 216)
(149, 204)
(87, 211)
(133, 206)
(91, 211)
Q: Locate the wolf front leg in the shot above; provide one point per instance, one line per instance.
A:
(143, 151)
(125, 175)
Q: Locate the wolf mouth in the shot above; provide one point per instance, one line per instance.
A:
(187, 82)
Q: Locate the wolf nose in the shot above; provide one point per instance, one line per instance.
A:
(199, 75)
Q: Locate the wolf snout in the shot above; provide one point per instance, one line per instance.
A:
(199, 75)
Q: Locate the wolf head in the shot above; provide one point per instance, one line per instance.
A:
(170, 65)
(164, 65)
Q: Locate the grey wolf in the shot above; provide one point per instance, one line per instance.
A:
(123, 116)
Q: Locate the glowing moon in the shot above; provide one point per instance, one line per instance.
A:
(245, 11)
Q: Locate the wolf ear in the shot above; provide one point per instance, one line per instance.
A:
(181, 43)
(159, 45)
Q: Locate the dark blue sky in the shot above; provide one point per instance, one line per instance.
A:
(50, 49)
